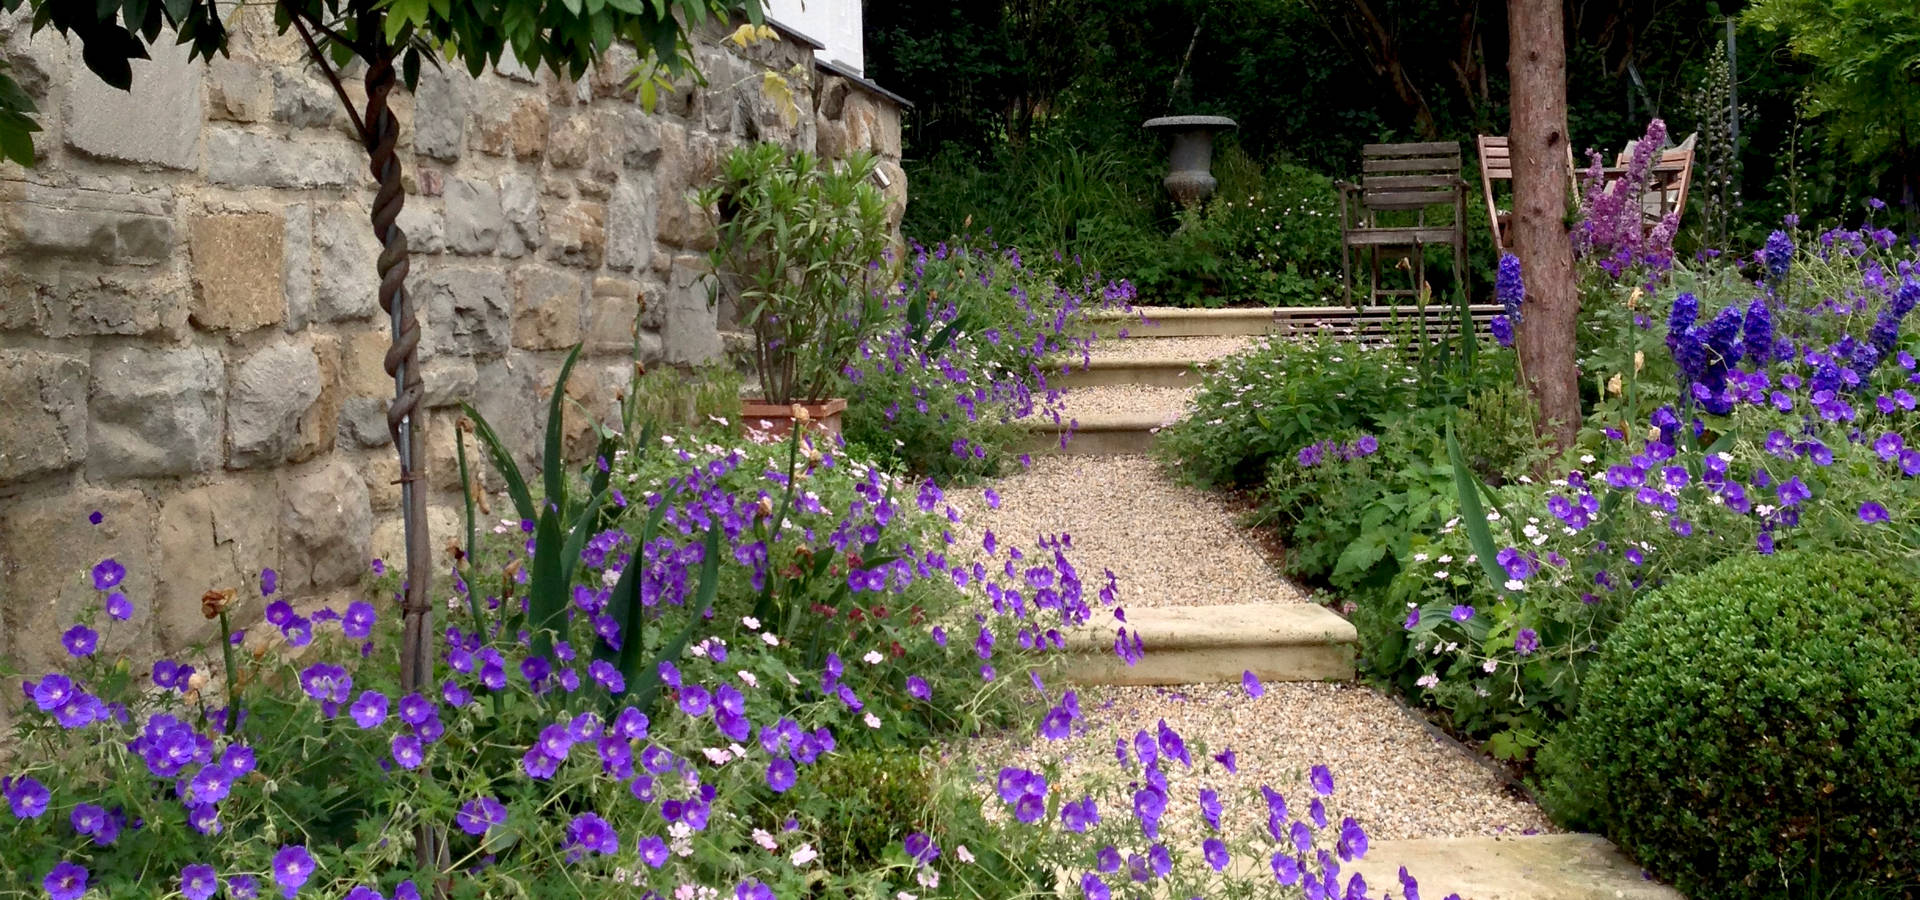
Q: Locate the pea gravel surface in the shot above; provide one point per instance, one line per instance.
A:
(1389, 773)
(1190, 349)
(1165, 404)
(1168, 544)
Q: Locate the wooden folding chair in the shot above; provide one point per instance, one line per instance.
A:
(1399, 182)
(1669, 175)
(1496, 166)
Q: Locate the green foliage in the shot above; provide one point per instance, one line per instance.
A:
(796, 237)
(959, 368)
(684, 398)
(1753, 729)
(16, 120)
(869, 800)
(563, 35)
(1865, 86)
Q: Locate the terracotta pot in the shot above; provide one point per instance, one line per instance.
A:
(775, 420)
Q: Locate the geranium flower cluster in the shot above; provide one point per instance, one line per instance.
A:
(1344, 451)
(978, 337)
(1790, 422)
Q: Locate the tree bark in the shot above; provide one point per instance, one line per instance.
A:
(1538, 72)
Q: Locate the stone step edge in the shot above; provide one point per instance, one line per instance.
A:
(1105, 422)
(1212, 627)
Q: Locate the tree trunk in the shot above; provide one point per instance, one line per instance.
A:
(1538, 72)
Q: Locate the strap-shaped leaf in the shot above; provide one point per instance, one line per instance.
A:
(1473, 516)
(502, 461)
(553, 470)
(649, 681)
(547, 584)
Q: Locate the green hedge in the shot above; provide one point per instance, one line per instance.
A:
(1753, 729)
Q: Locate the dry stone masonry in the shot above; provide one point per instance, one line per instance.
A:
(189, 338)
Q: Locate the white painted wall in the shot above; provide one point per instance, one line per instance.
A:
(835, 23)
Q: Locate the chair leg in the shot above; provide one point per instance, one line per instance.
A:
(1346, 270)
(1373, 287)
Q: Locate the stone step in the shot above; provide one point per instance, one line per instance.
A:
(1151, 322)
(1173, 373)
(1111, 434)
(1522, 867)
(1212, 644)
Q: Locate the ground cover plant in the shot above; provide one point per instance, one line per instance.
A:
(659, 674)
(961, 365)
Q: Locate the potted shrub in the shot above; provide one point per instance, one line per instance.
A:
(798, 241)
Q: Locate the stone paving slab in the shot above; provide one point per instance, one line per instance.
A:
(1526, 867)
(1216, 644)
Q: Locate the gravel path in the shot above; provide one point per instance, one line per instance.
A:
(1389, 773)
(1201, 349)
(1165, 404)
(1169, 544)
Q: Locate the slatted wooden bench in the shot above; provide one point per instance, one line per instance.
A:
(1379, 323)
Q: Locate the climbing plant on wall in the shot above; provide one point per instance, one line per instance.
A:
(395, 39)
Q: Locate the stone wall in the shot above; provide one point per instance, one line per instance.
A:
(189, 338)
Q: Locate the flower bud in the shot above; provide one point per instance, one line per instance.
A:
(213, 603)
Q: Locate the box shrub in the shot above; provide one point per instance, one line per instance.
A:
(1757, 724)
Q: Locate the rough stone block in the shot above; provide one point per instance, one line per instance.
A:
(467, 311)
(347, 284)
(630, 224)
(611, 310)
(154, 412)
(238, 271)
(449, 380)
(425, 225)
(513, 125)
(443, 526)
(238, 91)
(157, 121)
(105, 226)
(684, 167)
(47, 548)
(270, 391)
(321, 422)
(245, 159)
(551, 304)
(303, 100)
(216, 537)
(576, 233)
(512, 396)
(690, 333)
(43, 413)
(568, 140)
(382, 474)
(296, 264)
(520, 204)
(326, 522)
(363, 421)
(439, 127)
(69, 302)
(473, 216)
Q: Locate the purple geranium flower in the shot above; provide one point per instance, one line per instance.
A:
(198, 881)
(1526, 642)
(370, 710)
(66, 881)
(80, 641)
(108, 574)
(292, 866)
(780, 775)
(1322, 780)
(1873, 513)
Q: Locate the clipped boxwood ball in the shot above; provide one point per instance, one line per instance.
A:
(1753, 729)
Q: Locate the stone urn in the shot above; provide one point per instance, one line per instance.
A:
(1191, 180)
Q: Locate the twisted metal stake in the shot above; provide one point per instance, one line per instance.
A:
(403, 363)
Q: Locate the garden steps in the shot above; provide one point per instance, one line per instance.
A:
(1168, 322)
(1171, 362)
(1524, 867)
(1215, 644)
(1120, 434)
